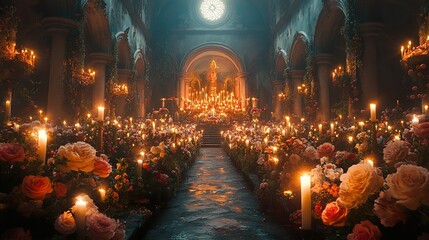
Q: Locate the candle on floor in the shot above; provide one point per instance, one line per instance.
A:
(373, 112)
(139, 167)
(100, 113)
(80, 217)
(42, 141)
(305, 202)
(102, 192)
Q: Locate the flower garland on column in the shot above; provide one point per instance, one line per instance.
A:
(311, 104)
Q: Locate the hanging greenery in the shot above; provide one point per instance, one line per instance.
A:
(311, 99)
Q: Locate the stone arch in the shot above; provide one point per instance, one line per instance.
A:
(140, 73)
(330, 21)
(97, 31)
(280, 64)
(298, 51)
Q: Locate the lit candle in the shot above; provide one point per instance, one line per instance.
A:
(100, 113)
(43, 139)
(320, 129)
(80, 217)
(426, 108)
(373, 114)
(8, 109)
(305, 202)
(139, 167)
(102, 192)
(415, 120)
(370, 162)
(332, 129)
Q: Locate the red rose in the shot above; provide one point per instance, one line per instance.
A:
(364, 230)
(334, 215)
(146, 166)
(318, 209)
(325, 150)
(11, 153)
(60, 189)
(36, 187)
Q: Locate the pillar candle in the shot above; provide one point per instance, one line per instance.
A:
(8, 109)
(426, 108)
(305, 202)
(100, 113)
(361, 124)
(415, 120)
(320, 129)
(332, 129)
(139, 167)
(102, 194)
(80, 217)
(373, 113)
(42, 141)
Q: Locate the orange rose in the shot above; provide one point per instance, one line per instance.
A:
(334, 215)
(36, 187)
(60, 189)
(101, 167)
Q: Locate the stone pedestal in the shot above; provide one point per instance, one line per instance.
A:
(58, 28)
(297, 77)
(324, 68)
(370, 31)
(99, 61)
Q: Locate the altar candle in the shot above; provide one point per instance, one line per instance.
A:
(139, 167)
(80, 217)
(305, 202)
(332, 129)
(100, 113)
(102, 193)
(43, 139)
(320, 129)
(7, 109)
(373, 114)
(415, 120)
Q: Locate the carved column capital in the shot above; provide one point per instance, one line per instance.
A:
(370, 29)
(59, 25)
(324, 59)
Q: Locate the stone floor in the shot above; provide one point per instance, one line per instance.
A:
(214, 203)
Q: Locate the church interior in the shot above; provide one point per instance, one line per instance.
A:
(214, 119)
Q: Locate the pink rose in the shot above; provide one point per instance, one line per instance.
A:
(65, 223)
(334, 215)
(100, 226)
(11, 153)
(388, 211)
(310, 152)
(294, 159)
(364, 230)
(16, 234)
(421, 130)
(325, 150)
(396, 151)
(120, 232)
(101, 167)
(410, 186)
(36, 187)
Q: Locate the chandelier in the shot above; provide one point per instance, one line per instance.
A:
(84, 77)
(119, 89)
(26, 55)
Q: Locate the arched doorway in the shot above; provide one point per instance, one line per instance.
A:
(280, 85)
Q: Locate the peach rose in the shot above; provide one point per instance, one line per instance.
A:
(364, 230)
(396, 151)
(11, 153)
(36, 187)
(16, 233)
(388, 211)
(60, 189)
(421, 130)
(65, 223)
(101, 227)
(80, 156)
(325, 150)
(101, 167)
(360, 181)
(410, 186)
(334, 215)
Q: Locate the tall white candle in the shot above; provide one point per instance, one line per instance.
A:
(139, 167)
(373, 112)
(100, 113)
(305, 202)
(361, 124)
(332, 129)
(320, 129)
(8, 109)
(102, 193)
(80, 217)
(426, 108)
(42, 141)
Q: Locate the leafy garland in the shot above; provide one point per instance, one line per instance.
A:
(112, 77)
(311, 99)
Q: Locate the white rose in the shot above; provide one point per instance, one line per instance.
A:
(80, 156)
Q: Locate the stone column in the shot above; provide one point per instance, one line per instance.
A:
(182, 89)
(124, 76)
(58, 28)
(277, 90)
(99, 61)
(369, 79)
(324, 62)
(242, 88)
(141, 85)
(297, 77)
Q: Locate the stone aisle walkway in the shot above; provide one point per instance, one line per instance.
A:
(214, 203)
